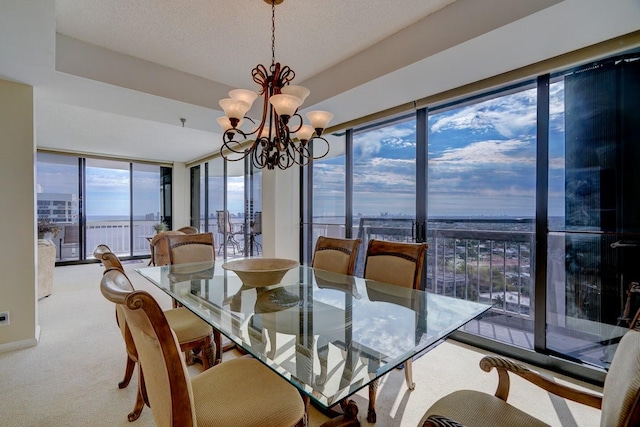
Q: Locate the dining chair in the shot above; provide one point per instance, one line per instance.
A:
(188, 248)
(192, 332)
(399, 264)
(196, 248)
(159, 248)
(336, 255)
(188, 230)
(619, 402)
(238, 392)
(339, 256)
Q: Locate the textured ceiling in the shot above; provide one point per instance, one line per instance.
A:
(223, 40)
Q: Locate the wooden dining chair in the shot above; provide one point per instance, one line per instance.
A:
(238, 392)
(197, 248)
(188, 230)
(159, 248)
(188, 248)
(336, 255)
(620, 400)
(399, 264)
(192, 332)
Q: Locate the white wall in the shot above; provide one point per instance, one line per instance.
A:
(17, 212)
(280, 213)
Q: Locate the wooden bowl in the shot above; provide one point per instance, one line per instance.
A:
(258, 272)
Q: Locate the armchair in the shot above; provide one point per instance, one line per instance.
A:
(620, 401)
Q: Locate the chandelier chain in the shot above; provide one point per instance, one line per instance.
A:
(273, 33)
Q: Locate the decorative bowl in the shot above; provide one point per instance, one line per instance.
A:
(257, 272)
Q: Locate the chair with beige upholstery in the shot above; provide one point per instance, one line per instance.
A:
(186, 248)
(188, 230)
(239, 392)
(193, 333)
(196, 248)
(337, 255)
(620, 400)
(399, 264)
(160, 249)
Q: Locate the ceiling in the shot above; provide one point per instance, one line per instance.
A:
(114, 77)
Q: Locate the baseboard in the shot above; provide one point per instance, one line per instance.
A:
(19, 345)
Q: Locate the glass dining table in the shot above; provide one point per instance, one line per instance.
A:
(328, 334)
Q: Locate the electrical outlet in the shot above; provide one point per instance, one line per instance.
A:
(4, 318)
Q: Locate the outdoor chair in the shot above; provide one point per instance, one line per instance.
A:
(399, 264)
(226, 228)
(620, 400)
(239, 392)
(192, 333)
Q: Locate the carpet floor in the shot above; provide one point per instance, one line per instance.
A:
(71, 377)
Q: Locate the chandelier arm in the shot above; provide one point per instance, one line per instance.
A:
(299, 125)
(326, 151)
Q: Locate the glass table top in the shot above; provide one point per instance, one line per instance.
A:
(328, 334)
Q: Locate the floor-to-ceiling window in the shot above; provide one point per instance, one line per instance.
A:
(481, 209)
(98, 201)
(230, 205)
(530, 193)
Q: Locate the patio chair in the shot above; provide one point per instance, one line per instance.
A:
(239, 392)
(399, 264)
(620, 400)
(192, 332)
(225, 227)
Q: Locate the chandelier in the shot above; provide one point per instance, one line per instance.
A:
(281, 138)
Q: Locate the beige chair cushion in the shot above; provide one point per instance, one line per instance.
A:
(332, 260)
(262, 396)
(186, 325)
(391, 269)
(478, 409)
(622, 383)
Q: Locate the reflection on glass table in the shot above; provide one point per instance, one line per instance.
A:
(328, 334)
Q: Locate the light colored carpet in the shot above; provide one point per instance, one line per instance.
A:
(71, 378)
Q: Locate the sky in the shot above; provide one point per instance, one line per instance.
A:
(481, 162)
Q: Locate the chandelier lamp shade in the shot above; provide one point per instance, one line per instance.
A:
(281, 139)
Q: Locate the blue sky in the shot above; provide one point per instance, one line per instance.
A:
(482, 160)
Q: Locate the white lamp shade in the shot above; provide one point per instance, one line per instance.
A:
(297, 91)
(305, 132)
(245, 95)
(234, 108)
(285, 105)
(319, 119)
(225, 123)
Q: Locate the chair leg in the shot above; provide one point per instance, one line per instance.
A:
(128, 373)
(373, 392)
(140, 399)
(209, 350)
(408, 374)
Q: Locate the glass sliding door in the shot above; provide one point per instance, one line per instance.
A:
(146, 207)
(108, 205)
(215, 200)
(481, 210)
(384, 184)
(58, 185)
(594, 239)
